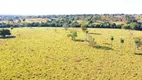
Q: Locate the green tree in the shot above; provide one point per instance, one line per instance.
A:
(90, 22)
(5, 32)
(133, 25)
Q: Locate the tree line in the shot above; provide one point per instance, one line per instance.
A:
(131, 25)
(93, 21)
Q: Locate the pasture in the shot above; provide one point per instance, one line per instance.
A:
(48, 54)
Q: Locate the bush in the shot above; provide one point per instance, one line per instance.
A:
(73, 35)
(121, 40)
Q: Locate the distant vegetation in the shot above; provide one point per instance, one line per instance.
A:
(124, 21)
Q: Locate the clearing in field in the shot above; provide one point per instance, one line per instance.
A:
(48, 54)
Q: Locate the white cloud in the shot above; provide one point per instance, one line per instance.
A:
(34, 7)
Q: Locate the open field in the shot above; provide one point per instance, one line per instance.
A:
(48, 54)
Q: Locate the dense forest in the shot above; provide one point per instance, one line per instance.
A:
(126, 21)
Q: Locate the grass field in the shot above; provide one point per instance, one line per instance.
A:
(48, 54)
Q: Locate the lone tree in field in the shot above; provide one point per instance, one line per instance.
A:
(138, 45)
(111, 38)
(84, 29)
(137, 41)
(4, 32)
(73, 35)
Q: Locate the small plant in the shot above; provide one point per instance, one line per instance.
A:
(4, 32)
(73, 35)
(111, 38)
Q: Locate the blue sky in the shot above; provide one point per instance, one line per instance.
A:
(44, 7)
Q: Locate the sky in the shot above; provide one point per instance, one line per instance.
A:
(48, 7)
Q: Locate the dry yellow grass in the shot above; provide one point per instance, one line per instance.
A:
(47, 54)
